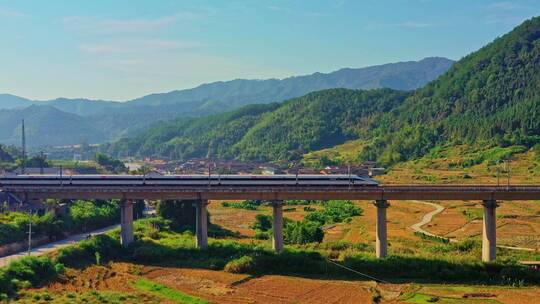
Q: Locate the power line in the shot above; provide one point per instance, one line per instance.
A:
(358, 272)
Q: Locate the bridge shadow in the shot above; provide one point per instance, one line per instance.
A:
(256, 260)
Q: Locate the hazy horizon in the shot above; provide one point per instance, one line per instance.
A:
(223, 80)
(128, 49)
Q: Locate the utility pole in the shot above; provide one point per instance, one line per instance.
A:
(29, 231)
(349, 173)
(498, 173)
(508, 169)
(41, 162)
(23, 167)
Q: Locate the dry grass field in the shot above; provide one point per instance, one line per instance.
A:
(448, 166)
(518, 224)
(116, 283)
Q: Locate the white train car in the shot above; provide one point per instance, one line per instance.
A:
(187, 180)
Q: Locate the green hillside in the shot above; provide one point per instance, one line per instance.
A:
(315, 121)
(193, 137)
(47, 126)
(489, 98)
(102, 121)
(266, 132)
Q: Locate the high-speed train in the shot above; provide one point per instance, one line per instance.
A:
(186, 180)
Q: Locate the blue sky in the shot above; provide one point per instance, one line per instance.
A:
(123, 49)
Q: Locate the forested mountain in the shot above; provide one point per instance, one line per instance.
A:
(193, 137)
(8, 101)
(112, 120)
(490, 97)
(46, 125)
(266, 132)
(399, 76)
(80, 106)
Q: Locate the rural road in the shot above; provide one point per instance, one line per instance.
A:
(438, 209)
(427, 217)
(43, 249)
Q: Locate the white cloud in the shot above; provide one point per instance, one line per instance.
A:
(318, 14)
(404, 24)
(135, 46)
(339, 3)
(506, 5)
(86, 25)
(110, 26)
(414, 24)
(281, 9)
(6, 12)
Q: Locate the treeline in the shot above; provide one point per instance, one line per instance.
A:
(192, 137)
(490, 97)
(11, 158)
(82, 216)
(266, 132)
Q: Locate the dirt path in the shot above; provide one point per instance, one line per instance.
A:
(438, 209)
(43, 249)
(427, 217)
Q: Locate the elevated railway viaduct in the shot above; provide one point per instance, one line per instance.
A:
(276, 189)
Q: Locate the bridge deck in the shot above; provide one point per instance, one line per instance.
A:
(383, 192)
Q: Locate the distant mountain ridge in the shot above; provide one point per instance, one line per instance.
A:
(404, 76)
(46, 125)
(112, 120)
(488, 99)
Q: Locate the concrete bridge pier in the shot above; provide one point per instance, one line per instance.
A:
(277, 226)
(126, 222)
(201, 224)
(381, 242)
(489, 234)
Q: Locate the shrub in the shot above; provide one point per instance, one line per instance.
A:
(262, 222)
(432, 237)
(467, 245)
(247, 204)
(98, 258)
(83, 215)
(59, 268)
(151, 227)
(337, 245)
(13, 226)
(84, 252)
(262, 235)
(27, 272)
(317, 216)
(303, 232)
(6, 285)
(536, 150)
(334, 211)
(301, 202)
(240, 265)
(86, 215)
(179, 212)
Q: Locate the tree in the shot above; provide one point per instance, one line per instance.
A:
(262, 222)
(109, 163)
(180, 212)
(302, 232)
